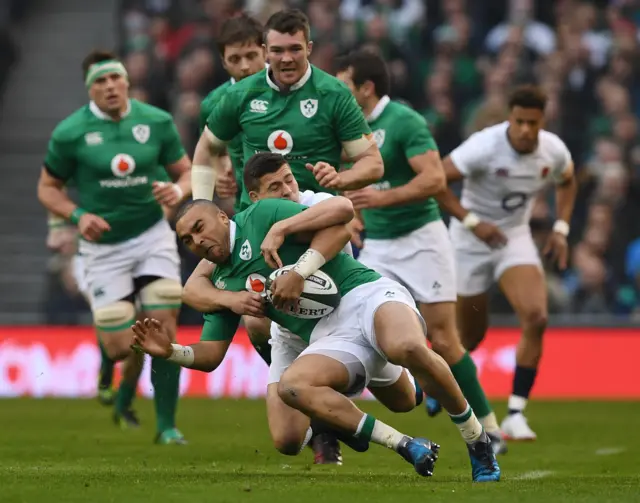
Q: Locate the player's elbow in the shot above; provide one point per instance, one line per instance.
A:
(189, 293)
(344, 209)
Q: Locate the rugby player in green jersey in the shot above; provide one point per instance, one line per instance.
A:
(240, 47)
(376, 323)
(292, 109)
(132, 366)
(111, 149)
(406, 239)
(269, 176)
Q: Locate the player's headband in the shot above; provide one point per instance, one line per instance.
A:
(97, 70)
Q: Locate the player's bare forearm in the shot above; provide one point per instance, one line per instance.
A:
(429, 181)
(367, 169)
(207, 165)
(451, 204)
(566, 193)
(53, 196)
(199, 292)
(335, 211)
(330, 241)
(208, 355)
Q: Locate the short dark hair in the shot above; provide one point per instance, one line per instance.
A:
(367, 65)
(261, 164)
(528, 96)
(185, 208)
(289, 21)
(96, 56)
(241, 29)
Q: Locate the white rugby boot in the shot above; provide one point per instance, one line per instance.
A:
(515, 427)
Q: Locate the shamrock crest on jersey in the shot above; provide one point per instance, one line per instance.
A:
(309, 107)
(141, 133)
(245, 250)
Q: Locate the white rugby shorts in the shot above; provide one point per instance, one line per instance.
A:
(422, 261)
(109, 269)
(479, 266)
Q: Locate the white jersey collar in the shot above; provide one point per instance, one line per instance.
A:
(95, 110)
(379, 108)
(232, 235)
(305, 78)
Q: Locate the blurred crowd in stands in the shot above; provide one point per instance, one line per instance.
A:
(455, 61)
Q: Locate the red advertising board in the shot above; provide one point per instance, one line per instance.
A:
(578, 363)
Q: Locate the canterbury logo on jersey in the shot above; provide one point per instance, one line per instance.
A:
(258, 106)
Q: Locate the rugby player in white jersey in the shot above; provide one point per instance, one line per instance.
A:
(395, 389)
(503, 168)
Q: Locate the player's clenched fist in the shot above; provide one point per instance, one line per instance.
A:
(167, 194)
(490, 234)
(226, 185)
(286, 290)
(326, 175)
(92, 227)
(247, 303)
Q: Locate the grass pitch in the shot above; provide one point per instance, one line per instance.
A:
(69, 451)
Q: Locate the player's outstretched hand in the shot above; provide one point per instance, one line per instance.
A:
(490, 234)
(557, 249)
(150, 337)
(92, 226)
(365, 198)
(270, 246)
(226, 185)
(286, 290)
(166, 193)
(326, 175)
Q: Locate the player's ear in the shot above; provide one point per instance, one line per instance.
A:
(253, 195)
(309, 48)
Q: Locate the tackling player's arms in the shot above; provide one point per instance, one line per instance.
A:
(207, 164)
(367, 164)
(200, 293)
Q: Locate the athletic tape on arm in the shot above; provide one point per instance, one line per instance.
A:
(354, 148)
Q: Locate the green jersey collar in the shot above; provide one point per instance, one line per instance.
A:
(379, 108)
(232, 235)
(95, 110)
(294, 87)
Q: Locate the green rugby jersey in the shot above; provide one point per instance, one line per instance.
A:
(401, 133)
(234, 147)
(249, 229)
(113, 164)
(306, 124)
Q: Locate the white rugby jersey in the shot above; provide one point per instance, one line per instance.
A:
(309, 198)
(500, 184)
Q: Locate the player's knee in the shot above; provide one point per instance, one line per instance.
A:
(536, 319)
(112, 320)
(161, 294)
(445, 342)
(290, 389)
(403, 402)
(409, 351)
(287, 444)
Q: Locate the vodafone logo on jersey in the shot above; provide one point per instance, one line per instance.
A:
(122, 165)
(280, 142)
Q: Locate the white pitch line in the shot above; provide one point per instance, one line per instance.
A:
(534, 475)
(610, 451)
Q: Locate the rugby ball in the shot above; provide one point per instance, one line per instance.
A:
(319, 297)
